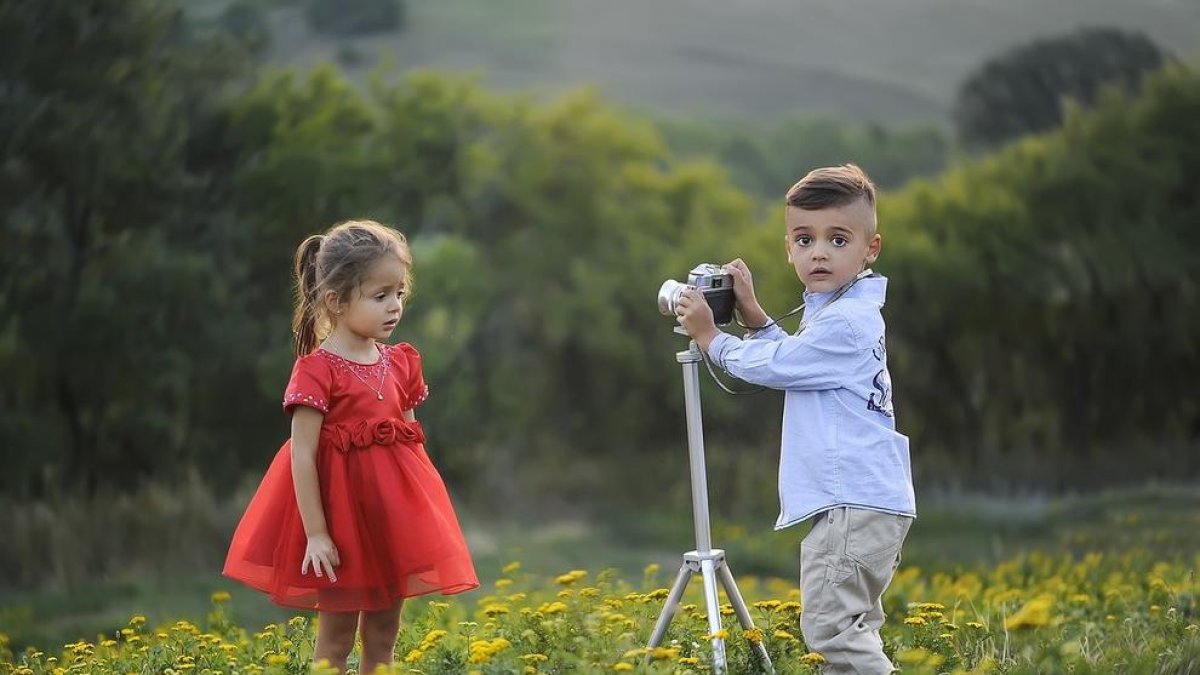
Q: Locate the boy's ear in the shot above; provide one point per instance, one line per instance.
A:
(787, 246)
(873, 248)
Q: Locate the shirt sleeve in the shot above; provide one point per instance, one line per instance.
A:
(772, 332)
(414, 387)
(310, 384)
(824, 356)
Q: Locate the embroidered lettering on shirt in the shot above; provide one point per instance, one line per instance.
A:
(881, 400)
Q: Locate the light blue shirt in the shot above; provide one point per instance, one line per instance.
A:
(840, 446)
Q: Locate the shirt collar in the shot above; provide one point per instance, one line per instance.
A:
(872, 288)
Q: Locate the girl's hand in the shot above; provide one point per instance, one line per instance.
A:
(320, 553)
(696, 317)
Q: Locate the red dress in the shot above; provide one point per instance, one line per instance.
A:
(385, 504)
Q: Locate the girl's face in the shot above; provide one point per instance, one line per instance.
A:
(829, 247)
(375, 308)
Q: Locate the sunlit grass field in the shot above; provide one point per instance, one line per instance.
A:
(1097, 584)
(1036, 613)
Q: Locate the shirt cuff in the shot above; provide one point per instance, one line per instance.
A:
(719, 346)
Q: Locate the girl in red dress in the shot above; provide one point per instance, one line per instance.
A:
(351, 517)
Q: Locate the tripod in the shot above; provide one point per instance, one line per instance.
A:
(708, 561)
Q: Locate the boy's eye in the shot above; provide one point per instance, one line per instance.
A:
(839, 241)
(804, 240)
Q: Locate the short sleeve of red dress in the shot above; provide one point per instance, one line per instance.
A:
(310, 384)
(408, 361)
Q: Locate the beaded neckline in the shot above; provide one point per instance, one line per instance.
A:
(368, 373)
(352, 362)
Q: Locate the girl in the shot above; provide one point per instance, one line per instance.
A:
(351, 517)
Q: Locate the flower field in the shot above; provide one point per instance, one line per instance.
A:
(1034, 613)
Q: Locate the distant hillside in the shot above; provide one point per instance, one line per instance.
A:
(884, 60)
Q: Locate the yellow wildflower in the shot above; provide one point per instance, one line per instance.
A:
(1035, 613)
(570, 577)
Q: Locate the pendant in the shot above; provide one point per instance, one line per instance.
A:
(380, 396)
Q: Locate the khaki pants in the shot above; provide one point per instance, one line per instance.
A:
(846, 562)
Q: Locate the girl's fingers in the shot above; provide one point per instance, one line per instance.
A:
(304, 566)
(329, 570)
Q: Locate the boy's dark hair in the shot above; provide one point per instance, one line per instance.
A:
(831, 187)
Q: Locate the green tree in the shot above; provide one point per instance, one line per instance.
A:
(1025, 89)
(767, 161)
(246, 20)
(1040, 337)
(356, 17)
(106, 290)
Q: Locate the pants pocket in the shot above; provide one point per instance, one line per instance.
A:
(874, 537)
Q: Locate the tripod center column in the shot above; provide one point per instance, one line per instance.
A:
(689, 360)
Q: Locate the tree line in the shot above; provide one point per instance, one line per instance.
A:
(154, 183)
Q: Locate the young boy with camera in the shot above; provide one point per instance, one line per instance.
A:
(843, 466)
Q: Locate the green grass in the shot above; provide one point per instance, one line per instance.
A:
(965, 534)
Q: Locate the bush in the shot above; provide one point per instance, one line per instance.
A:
(355, 17)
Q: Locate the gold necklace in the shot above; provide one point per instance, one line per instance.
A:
(382, 375)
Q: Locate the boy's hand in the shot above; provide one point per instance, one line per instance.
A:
(696, 317)
(322, 555)
(743, 292)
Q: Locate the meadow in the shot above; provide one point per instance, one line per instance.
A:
(1100, 584)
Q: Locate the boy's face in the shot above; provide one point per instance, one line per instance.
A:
(829, 247)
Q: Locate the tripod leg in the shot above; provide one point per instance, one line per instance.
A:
(743, 614)
(664, 619)
(707, 568)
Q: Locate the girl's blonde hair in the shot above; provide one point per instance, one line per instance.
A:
(338, 261)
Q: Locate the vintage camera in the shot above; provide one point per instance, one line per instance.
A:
(715, 283)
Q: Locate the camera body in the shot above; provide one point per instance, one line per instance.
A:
(712, 281)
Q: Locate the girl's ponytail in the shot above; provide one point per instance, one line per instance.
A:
(304, 320)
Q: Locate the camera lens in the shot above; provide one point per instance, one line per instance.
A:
(668, 296)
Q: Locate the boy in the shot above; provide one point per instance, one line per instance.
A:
(842, 466)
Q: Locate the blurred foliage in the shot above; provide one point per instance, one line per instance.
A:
(355, 17)
(765, 160)
(246, 20)
(1026, 89)
(1042, 327)
(154, 185)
